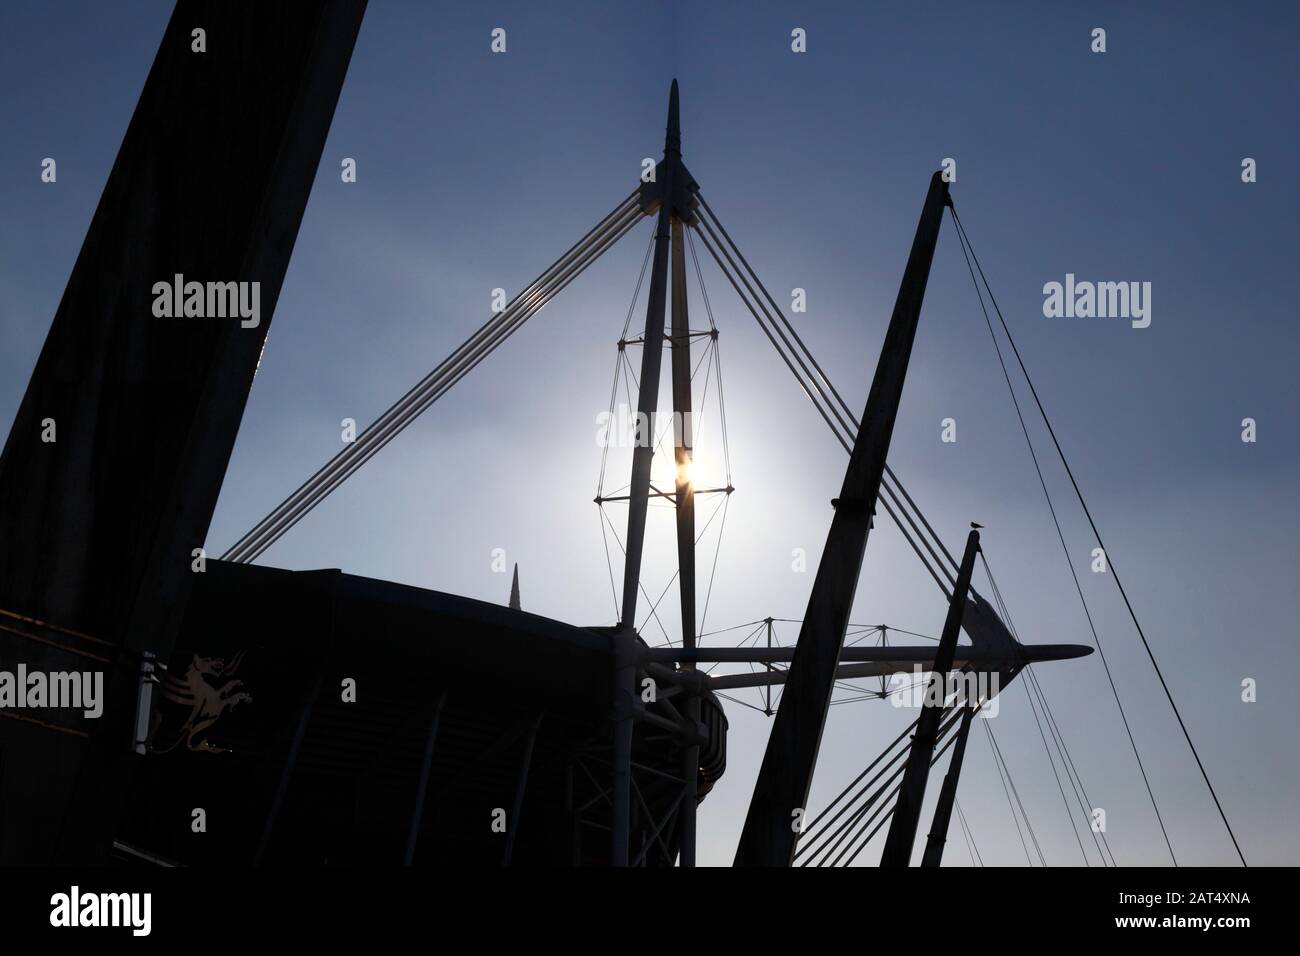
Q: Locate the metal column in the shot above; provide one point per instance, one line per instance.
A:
(651, 361)
(911, 792)
(98, 528)
(682, 447)
(781, 791)
(422, 788)
(516, 809)
(624, 705)
(639, 492)
(948, 795)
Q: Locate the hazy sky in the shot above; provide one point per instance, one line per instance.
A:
(476, 170)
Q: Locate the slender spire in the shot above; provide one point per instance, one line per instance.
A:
(673, 140)
(514, 590)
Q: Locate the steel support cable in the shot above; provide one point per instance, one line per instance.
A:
(969, 254)
(393, 422)
(613, 397)
(698, 538)
(1033, 686)
(833, 840)
(844, 835)
(496, 321)
(811, 830)
(608, 559)
(618, 362)
(1071, 772)
(845, 438)
(613, 531)
(888, 806)
(841, 433)
(822, 393)
(432, 387)
(708, 595)
(821, 377)
(717, 359)
(725, 263)
(1005, 612)
(816, 381)
(1010, 806)
(493, 326)
(970, 834)
(1015, 791)
(847, 422)
(1097, 534)
(1086, 801)
(1065, 802)
(395, 429)
(947, 722)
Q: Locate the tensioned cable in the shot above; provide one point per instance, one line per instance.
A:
(1065, 550)
(888, 805)
(808, 843)
(1071, 771)
(809, 835)
(708, 308)
(1065, 802)
(970, 835)
(818, 387)
(838, 428)
(698, 538)
(969, 254)
(997, 750)
(890, 498)
(495, 331)
(356, 454)
(1097, 534)
(617, 540)
(821, 381)
(424, 393)
(1011, 806)
(821, 385)
(1032, 686)
(618, 363)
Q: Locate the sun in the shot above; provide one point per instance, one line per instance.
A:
(693, 471)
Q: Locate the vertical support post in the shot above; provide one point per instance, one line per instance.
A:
(911, 792)
(639, 493)
(624, 696)
(768, 709)
(516, 809)
(574, 816)
(781, 792)
(98, 529)
(884, 642)
(682, 449)
(683, 439)
(422, 788)
(947, 795)
(651, 362)
(290, 761)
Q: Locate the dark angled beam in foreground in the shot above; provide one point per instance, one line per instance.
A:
(911, 792)
(768, 838)
(98, 526)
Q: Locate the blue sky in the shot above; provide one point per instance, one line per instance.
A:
(476, 170)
